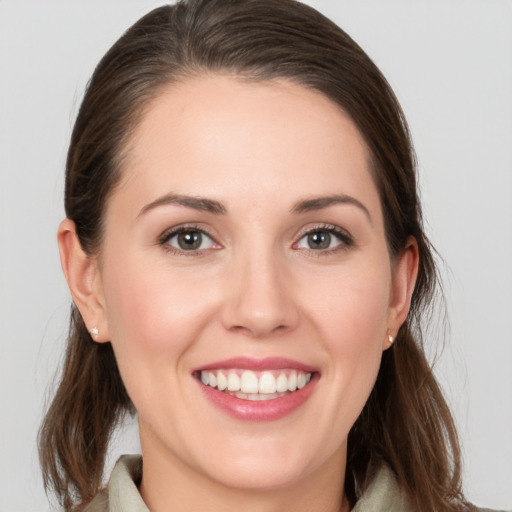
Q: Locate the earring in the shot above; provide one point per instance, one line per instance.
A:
(94, 331)
(390, 339)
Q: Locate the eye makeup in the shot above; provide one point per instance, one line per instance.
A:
(190, 240)
(194, 240)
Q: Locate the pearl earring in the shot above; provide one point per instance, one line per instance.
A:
(94, 332)
(390, 338)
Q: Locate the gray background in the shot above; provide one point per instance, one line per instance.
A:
(450, 63)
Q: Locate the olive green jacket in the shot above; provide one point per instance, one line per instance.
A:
(122, 495)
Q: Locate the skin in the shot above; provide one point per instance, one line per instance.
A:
(255, 288)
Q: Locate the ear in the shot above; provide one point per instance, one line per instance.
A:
(84, 280)
(404, 275)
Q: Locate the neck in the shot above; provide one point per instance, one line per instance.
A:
(168, 483)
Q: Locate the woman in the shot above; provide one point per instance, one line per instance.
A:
(245, 251)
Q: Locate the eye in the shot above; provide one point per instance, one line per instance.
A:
(187, 239)
(325, 239)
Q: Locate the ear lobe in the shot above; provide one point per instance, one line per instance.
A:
(405, 273)
(84, 281)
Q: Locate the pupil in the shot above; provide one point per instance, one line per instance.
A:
(319, 240)
(189, 240)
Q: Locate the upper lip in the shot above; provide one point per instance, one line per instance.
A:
(249, 363)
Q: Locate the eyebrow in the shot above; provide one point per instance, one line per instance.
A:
(196, 203)
(319, 203)
(217, 208)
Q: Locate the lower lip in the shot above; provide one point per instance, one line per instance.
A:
(259, 410)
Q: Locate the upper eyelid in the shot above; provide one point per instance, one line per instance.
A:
(346, 240)
(163, 240)
(333, 228)
(173, 231)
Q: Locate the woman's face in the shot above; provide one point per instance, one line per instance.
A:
(245, 247)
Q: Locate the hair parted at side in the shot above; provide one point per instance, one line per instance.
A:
(406, 422)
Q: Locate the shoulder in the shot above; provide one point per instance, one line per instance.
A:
(99, 503)
(122, 491)
(478, 509)
(384, 494)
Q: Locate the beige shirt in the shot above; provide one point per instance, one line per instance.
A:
(122, 495)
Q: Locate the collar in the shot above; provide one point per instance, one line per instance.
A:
(122, 494)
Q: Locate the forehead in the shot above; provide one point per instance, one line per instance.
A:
(219, 136)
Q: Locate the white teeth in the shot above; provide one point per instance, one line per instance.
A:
(255, 397)
(233, 382)
(258, 396)
(282, 383)
(255, 385)
(222, 382)
(267, 383)
(249, 382)
(292, 381)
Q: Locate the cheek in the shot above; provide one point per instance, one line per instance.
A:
(351, 308)
(351, 314)
(154, 317)
(355, 343)
(153, 312)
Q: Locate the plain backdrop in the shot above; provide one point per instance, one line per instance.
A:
(450, 63)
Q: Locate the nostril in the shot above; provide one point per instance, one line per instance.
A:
(240, 329)
(259, 331)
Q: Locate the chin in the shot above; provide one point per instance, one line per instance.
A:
(268, 463)
(259, 474)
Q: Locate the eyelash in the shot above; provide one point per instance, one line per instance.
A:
(163, 239)
(345, 239)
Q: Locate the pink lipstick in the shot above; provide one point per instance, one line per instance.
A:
(257, 389)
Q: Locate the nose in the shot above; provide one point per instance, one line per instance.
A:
(260, 297)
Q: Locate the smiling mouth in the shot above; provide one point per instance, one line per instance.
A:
(255, 385)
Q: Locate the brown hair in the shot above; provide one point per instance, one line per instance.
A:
(406, 422)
